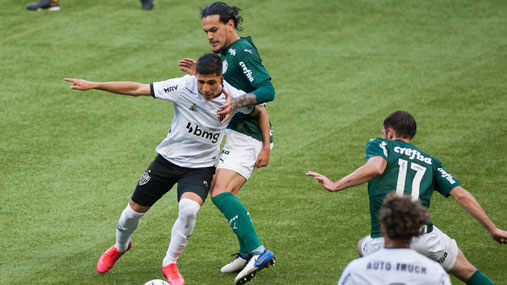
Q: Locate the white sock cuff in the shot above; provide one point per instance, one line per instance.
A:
(188, 207)
(131, 213)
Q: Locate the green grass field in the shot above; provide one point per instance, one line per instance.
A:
(70, 160)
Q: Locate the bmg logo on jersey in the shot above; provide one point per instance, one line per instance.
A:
(196, 131)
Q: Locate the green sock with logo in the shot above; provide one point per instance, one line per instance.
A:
(240, 222)
(480, 279)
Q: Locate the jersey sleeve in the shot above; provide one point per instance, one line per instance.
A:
(376, 147)
(167, 90)
(444, 182)
(255, 72)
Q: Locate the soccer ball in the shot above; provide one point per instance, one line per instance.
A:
(156, 282)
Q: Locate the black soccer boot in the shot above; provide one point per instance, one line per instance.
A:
(147, 4)
(50, 5)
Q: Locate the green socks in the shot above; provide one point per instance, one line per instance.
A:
(240, 222)
(479, 278)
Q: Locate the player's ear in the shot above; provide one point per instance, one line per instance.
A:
(222, 81)
(230, 23)
(391, 134)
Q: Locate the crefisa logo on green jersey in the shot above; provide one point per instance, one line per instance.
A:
(246, 71)
(196, 131)
(412, 154)
(446, 175)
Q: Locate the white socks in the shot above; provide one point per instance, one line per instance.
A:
(129, 220)
(182, 229)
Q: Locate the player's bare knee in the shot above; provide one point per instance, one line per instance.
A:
(138, 208)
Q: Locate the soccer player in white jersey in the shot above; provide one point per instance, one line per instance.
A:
(187, 155)
(401, 220)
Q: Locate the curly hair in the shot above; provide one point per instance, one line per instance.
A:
(225, 12)
(402, 218)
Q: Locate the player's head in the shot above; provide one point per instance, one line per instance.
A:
(402, 218)
(209, 75)
(220, 22)
(401, 123)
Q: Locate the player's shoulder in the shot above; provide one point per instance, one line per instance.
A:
(242, 49)
(377, 141)
(235, 92)
(189, 84)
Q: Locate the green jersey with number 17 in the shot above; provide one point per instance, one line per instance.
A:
(243, 69)
(409, 171)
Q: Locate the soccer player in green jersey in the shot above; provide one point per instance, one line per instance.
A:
(395, 165)
(246, 147)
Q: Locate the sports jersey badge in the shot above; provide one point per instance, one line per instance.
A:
(224, 66)
(145, 178)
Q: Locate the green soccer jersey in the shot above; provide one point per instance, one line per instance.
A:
(243, 69)
(409, 171)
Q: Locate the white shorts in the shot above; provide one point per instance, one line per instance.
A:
(239, 153)
(435, 245)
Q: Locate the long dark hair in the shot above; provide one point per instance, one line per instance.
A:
(225, 12)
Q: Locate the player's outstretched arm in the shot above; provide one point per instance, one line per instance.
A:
(263, 119)
(468, 202)
(123, 88)
(374, 167)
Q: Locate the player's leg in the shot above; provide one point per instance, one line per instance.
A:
(151, 186)
(183, 227)
(228, 182)
(443, 249)
(193, 187)
(129, 221)
(467, 273)
(235, 167)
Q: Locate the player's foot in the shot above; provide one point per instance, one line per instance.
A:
(50, 5)
(236, 265)
(109, 258)
(173, 276)
(147, 4)
(256, 263)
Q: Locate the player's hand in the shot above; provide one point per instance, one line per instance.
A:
(263, 158)
(80, 84)
(226, 108)
(323, 180)
(499, 236)
(187, 65)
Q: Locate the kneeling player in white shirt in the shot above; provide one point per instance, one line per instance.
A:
(401, 219)
(187, 155)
